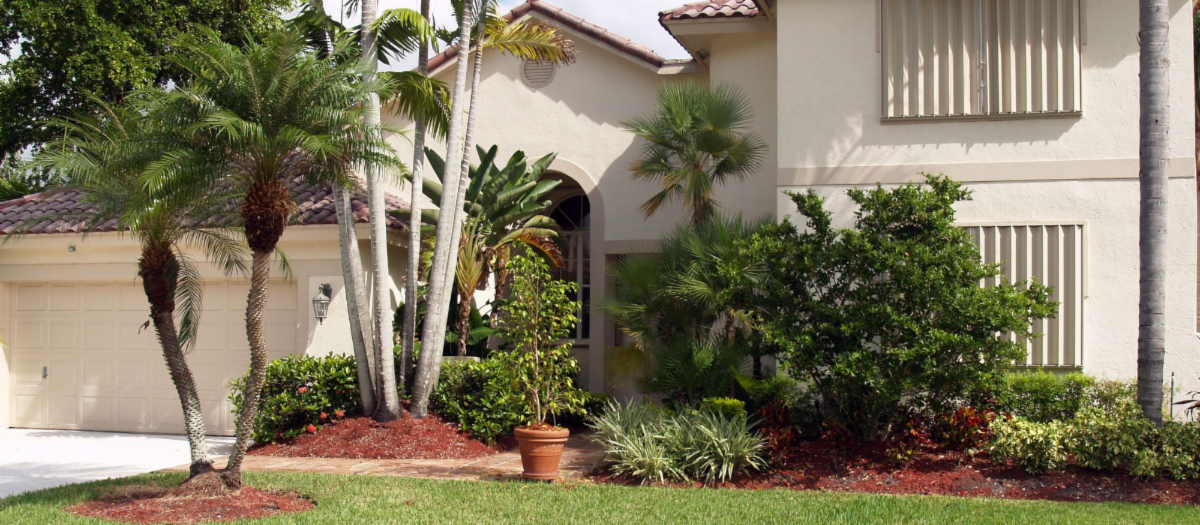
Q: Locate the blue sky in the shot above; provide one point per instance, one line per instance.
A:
(635, 19)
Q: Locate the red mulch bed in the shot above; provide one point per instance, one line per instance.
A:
(154, 505)
(363, 438)
(817, 466)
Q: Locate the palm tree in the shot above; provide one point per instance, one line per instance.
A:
(103, 157)
(411, 282)
(684, 326)
(254, 119)
(696, 140)
(505, 214)
(529, 41)
(1155, 21)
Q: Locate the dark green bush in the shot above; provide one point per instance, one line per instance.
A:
(725, 407)
(481, 397)
(1042, 396)
(887, 318)
(1106, 440)
(300, 391)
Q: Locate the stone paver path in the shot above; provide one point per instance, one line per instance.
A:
(580, 457)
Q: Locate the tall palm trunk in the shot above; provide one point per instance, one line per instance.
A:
(159, 282)
(408, 344)
(352, 273)
(1155, 19)
(387, 401)
(466, 296)
(356, 300)
(265, 213)
(433, 336)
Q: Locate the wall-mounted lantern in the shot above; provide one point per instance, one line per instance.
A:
(321, 302)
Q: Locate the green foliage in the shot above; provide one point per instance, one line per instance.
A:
(1041, 396)
(480, 397)
(725, 407)
(1174, 452)
(697, 139)
(1106, 440)
(536, 320)
(301, 391)
(1034, 447)
(688, 335)
(643, 442)
(887, 318)
(72, 49)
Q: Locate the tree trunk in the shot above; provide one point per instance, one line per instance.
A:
(412, 280)
(1155, 21)
(387, 401)
(256, 302)
(356, 301)
(159, 287)
(433, 336)
(464, 321)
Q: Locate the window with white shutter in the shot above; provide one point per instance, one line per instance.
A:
(980, 58)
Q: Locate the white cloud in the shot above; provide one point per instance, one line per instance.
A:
(635, 19)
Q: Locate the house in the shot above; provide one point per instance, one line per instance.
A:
(1032, 103)
(77, 355)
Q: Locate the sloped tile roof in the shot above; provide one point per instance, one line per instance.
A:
(572, 22)
(314, 207)
(713, 9)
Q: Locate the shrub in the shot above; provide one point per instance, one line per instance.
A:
(1105, 440)
(965, 429)
(1033, 447)
(643, 442)
(300, 391)
(888, 318)
(1041, 396)
(728, 408)
(1174, 452)
(480, 397)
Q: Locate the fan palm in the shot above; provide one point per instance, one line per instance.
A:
(696, 140)
(255, 119)
(505, 210)
(103, 157)
(676, 309)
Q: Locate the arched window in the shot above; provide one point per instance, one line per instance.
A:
(573, 215)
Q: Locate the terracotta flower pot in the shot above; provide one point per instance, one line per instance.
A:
(541, 450)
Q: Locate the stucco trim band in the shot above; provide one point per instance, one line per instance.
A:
(1181, 168)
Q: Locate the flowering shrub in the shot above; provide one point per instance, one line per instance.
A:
(300, 394)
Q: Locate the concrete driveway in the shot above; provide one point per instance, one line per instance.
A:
(38, 459)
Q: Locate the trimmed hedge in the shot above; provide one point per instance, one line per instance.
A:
(300, 391)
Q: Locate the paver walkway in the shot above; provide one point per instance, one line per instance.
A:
(580, 457)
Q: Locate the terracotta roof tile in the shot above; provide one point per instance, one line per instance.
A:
(570, 21)
(314, 207)
(713, 9)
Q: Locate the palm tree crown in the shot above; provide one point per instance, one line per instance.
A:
(696, 140)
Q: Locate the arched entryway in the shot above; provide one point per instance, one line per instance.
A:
(572, 210)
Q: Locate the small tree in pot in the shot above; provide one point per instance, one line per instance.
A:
(537, 319)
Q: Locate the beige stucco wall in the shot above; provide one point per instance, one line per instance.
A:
(830, 90)
(312, 251)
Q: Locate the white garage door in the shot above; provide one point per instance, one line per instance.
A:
(81, 359)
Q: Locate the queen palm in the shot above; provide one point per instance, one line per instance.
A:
(696, 140)
(103, 157)
(254, 119)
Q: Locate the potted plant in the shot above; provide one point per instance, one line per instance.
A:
(536, 321)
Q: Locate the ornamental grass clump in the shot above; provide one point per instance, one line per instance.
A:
(691, 445)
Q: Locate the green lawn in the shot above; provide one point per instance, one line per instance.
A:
(371, 500)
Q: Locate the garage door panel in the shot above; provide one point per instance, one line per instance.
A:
(282, 298)
(167, 415)
(131, 412)
(97, 372)
(27, 372)
(64, 335)
(214, 415)
(281, 338)
(210, 336)
(131, 373)
(64, 298)
(209, 378)
(98, 297)
(30, 298)
(29, 410)
(131, 298)
(97, 412)
(132, 336)
(63, 374)
(98, 335)
(63, 411)
(159, 376)
(29, 333)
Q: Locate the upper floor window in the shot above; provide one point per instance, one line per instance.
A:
(980, 58)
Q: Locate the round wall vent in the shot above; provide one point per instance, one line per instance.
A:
(538, 73)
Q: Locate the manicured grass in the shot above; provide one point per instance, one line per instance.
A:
(371, 500)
